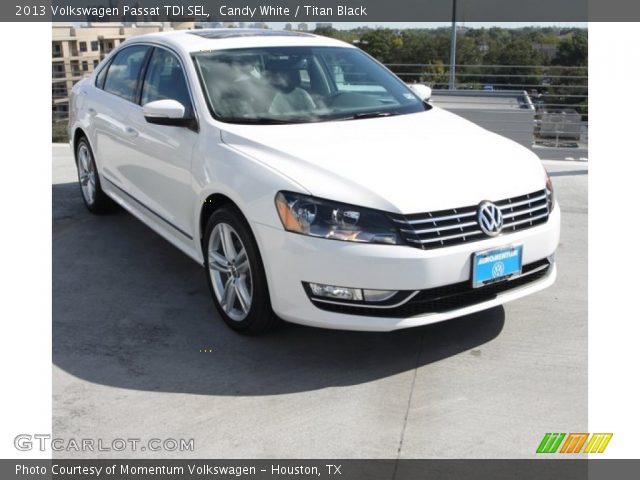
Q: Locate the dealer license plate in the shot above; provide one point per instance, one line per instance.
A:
(495, 265)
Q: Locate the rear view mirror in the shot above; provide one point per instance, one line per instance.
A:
(166, 112)
(421, 91)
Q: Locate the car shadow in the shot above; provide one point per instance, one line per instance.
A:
(131, 311)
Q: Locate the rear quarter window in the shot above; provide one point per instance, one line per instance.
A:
(102, 74)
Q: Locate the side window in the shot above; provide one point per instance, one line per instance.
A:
(165, 80)
(122, 74)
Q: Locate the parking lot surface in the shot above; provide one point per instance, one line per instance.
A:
(133, 324)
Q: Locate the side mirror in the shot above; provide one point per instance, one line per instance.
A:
(422, 91)
(166, 112)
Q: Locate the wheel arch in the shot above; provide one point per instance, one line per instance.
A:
(214, 201)
(78, 133)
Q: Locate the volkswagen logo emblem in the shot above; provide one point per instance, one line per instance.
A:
(497, 270)
(490, 218)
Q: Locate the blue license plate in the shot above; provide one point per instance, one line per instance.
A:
(495, 265)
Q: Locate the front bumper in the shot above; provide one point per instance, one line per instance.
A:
(290, 259)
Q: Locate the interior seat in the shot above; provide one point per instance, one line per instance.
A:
(289, 97)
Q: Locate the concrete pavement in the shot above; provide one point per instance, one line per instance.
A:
(132, 314)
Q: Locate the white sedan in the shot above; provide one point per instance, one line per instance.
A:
(312, 184)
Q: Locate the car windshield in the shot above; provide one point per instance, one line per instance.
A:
(300, 84)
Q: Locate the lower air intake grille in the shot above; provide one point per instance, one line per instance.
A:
(448, 297)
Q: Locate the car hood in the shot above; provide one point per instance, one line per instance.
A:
(427, 161)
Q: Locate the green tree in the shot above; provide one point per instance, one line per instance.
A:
(573, 50)
(526, 61)
(383, 44)
(326, 32)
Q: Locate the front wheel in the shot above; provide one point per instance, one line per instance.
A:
(235, 273)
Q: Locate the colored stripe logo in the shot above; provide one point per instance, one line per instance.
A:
(574, 443)
(598, 442)
(550, 442)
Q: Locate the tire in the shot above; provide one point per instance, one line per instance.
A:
(90, 188)
(235, 273)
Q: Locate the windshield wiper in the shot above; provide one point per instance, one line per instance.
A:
(360, 116)
(285, 121)
(258, 121)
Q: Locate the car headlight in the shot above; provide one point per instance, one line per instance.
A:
(549, 191)
(338, 221)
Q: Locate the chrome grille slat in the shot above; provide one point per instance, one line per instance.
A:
(440, 229)
(436, 219)
(442, 239)
(526, 220)
(460, 225)
(517, 213)
(523, 202)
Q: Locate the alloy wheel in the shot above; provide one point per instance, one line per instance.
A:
(230, 271)
(86, 174)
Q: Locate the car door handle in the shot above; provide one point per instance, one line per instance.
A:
(92, 112)
(131, 132)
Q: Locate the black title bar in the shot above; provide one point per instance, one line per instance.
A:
(564, 469)
(320, 10)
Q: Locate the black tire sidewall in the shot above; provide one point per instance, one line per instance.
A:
(84, 142)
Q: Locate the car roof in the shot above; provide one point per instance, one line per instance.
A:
(190, 41)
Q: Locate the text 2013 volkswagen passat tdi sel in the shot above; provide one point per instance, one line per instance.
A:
(312, 183)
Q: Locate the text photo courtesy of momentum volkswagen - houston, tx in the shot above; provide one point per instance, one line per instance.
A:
(335, 239)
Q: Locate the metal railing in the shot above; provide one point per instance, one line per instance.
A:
(558, 94)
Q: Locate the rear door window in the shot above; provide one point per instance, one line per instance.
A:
(124, 71)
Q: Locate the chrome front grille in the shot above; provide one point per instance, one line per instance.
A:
(460, 225)
(525, 211)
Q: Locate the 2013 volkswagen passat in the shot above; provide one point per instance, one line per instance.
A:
(311, 183)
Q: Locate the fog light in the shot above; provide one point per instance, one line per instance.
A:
(351, 294)
(378, 295)
(331, 291)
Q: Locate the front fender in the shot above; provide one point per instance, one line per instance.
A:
(247, 182)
